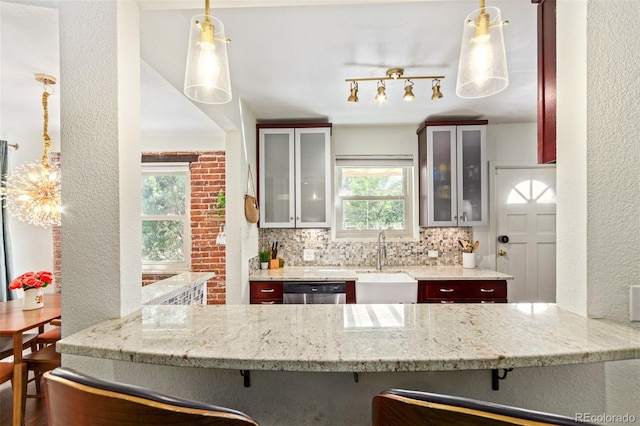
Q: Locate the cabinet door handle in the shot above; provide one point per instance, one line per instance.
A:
(487, 290)
(447, 301)
(268, 303)
(267, 290)
(446, 290)
(487, 301)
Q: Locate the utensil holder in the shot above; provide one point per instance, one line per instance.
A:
(468, 260)
(274, 263)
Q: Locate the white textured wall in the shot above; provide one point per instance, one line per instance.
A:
(597, 154)
(613, 156)
(101, 144)
(613, 186)
(598, 188)
(242, 236)
(571, 216)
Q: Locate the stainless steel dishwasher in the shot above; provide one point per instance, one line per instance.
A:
(324, 292)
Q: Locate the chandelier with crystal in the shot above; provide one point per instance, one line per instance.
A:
(32, 191)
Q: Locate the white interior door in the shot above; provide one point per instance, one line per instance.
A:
(526, 215)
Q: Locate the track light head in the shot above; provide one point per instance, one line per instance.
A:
(435, 87)
(408, 92)
(381, 96)
(353, 97)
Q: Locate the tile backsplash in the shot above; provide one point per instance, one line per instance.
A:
(292, 242)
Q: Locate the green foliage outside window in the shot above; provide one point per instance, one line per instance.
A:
(371, 215)
(163, 196)
(363, 208)
(162, 240)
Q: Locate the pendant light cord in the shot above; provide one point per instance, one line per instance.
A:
(45, 135)
(207, 12)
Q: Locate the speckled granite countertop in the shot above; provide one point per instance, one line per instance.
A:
(357, 338)
(328, 273)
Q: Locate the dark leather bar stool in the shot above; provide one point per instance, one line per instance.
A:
(74, 399)
(403, 407)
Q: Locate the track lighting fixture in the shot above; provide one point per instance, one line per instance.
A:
(395, 74)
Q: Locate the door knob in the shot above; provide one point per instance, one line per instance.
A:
(502, 253)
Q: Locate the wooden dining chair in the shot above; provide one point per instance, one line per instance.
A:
(6, 371)
(403, 407)
(51, 336)
(6, 344)
(74, 399)
(38, 362)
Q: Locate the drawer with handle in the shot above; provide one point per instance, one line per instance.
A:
(266, 292)
(447, 290)
(462, 291)
(490, 290)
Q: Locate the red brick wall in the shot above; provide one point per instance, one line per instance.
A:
(207, 179)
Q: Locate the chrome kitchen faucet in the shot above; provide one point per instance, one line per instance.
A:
(382, 249)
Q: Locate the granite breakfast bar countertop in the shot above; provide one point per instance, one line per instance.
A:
(328, 273)
(356, 338)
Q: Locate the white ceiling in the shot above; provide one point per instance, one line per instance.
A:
(290, 62)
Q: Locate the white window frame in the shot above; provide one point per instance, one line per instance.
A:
(172, 168)
(406, 162)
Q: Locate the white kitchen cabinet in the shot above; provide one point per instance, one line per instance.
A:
(453, 174)
(294, 177)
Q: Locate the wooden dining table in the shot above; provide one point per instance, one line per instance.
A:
(13, 322)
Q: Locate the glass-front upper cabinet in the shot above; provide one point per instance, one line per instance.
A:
(472, 176)
(453, 175)
(276, 161)
(294, 177)
(313, 178)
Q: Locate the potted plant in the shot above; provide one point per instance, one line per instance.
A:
(221, 203)
(264, 259)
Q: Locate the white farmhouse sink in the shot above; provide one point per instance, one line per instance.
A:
(386, 287)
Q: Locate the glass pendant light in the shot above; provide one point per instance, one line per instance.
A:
(206, 77)
(482, 70)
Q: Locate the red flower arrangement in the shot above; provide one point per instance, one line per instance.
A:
(30, 280)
